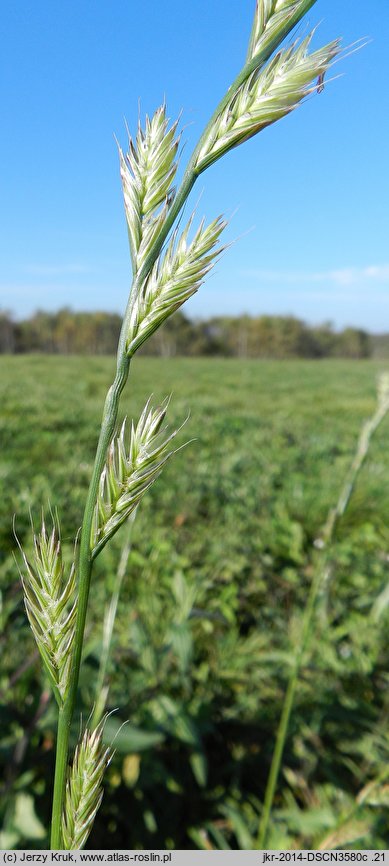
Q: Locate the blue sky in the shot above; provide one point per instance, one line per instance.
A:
(307, 198)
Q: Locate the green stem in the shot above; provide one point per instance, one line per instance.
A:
(192, 171)
(321, 576)
(366, 433)
(108, 426)
(85, 570)
(288, 706)
(85, 561)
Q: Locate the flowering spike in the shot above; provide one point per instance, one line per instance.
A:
(176, 275)
(273, 20)
(134, 470)
(51, 607)
(148, 170)
(84, 790)
(267, 95)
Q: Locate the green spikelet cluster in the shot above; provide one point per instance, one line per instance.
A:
(266, 96)
(175, 276)
(147, 172)
(84, 790)
(273, 20)
(51, 606)
(129, 472)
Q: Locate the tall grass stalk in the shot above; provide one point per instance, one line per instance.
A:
(320, 579)
(169, 264)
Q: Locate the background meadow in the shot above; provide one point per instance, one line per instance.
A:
(222, 556)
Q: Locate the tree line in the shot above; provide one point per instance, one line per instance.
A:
(96, 333)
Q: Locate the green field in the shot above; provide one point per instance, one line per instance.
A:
(221, 561)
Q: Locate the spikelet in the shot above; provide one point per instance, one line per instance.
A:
(84, 790)
(175, 276)
(129, 472)
(266, 96)
(50, 606)
(273, 20)
(147, 172)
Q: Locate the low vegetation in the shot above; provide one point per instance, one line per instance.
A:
(222, 555)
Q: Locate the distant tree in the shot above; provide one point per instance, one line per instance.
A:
(107, 329)
(353, 343)
(179, 336)
(96, 333)
(7, 333)
(379, 344)
(325, 339)
(279, 337)
(36, 334)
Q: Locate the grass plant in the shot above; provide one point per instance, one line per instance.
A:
(219, 569)
(322, 570)
(168, 267)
